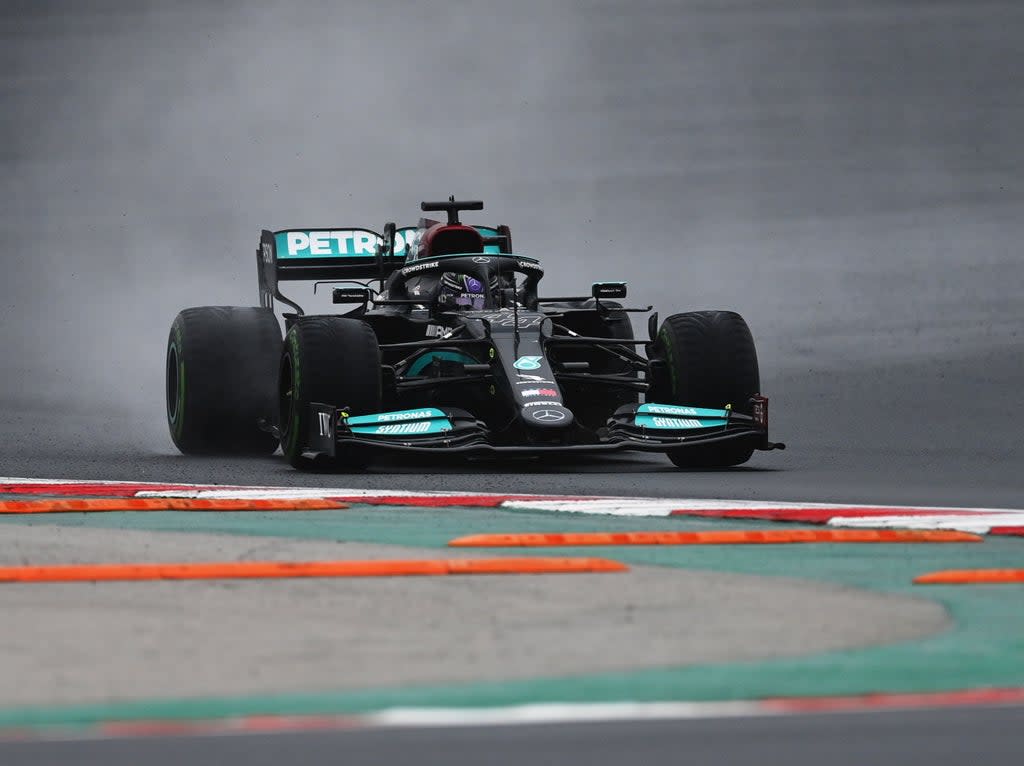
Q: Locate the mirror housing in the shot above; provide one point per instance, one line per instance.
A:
(609, 290)
(350, 295)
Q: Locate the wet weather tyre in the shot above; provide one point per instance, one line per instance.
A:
(221, 380)
(709, 361)
(328, 360)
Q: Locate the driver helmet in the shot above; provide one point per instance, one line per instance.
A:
(464, 290)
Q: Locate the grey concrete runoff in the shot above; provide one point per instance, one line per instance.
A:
(80, 643)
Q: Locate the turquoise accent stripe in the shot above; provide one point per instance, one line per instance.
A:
(680, 411)
(425, 413)
(450, 356)
(660, 421)
(406, 428)
(428, 420)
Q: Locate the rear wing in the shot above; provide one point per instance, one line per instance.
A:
(291, 255)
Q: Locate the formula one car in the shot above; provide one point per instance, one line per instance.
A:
(453, 351)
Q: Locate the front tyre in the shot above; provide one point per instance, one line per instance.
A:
(220, 380)
(329, 360)
(709, 360)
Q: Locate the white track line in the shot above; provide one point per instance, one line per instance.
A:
(660, 507)
(977, 522)
(562, 713)
(966, 519)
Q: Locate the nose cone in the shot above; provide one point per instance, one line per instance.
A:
(546, 415)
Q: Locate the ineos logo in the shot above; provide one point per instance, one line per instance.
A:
(548, 416)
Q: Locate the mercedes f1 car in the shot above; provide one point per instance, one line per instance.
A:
(451, 347)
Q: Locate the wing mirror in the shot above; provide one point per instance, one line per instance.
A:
(350, 295)
(601, 290)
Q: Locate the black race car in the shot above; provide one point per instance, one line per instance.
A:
(455, 351)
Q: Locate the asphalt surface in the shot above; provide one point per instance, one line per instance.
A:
(848, 176)
(945, 737)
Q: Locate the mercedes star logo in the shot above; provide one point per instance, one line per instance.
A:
(481, 259)
(548, 416)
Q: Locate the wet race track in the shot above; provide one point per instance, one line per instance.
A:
(848, 177)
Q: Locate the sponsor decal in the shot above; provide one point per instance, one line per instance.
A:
(419, 267)
(664, 409)
(507, 318)
(539, 392)
(760, 411)
(679, 410)
(548, 416)
(435, 330)
(426, 421)
(419, 427)
(481, 259)
(527, 265)
(676, 423)
(534, 392)
(268, 252)
(325, 423)
(542, 404)
(658, 421)
(411, 415)
(524, 379)
(527, 363)
(316, 243)
(424, 413)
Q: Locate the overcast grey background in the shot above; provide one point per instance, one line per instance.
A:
(848, 175)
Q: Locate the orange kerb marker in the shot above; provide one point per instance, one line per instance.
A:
(970, 577)
(219, 570)
(105, 505)
(714, 537)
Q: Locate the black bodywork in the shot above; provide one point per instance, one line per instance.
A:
(521, 374)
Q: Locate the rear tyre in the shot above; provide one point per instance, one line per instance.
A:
(221, 380)
(709, 361)
(329, 360)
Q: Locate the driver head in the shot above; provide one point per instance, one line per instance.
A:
(464, 291)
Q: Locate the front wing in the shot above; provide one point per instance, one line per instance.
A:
(430, 430)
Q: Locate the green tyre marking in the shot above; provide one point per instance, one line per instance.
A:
(178, 421)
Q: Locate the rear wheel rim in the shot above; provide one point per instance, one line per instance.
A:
(173, 384)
